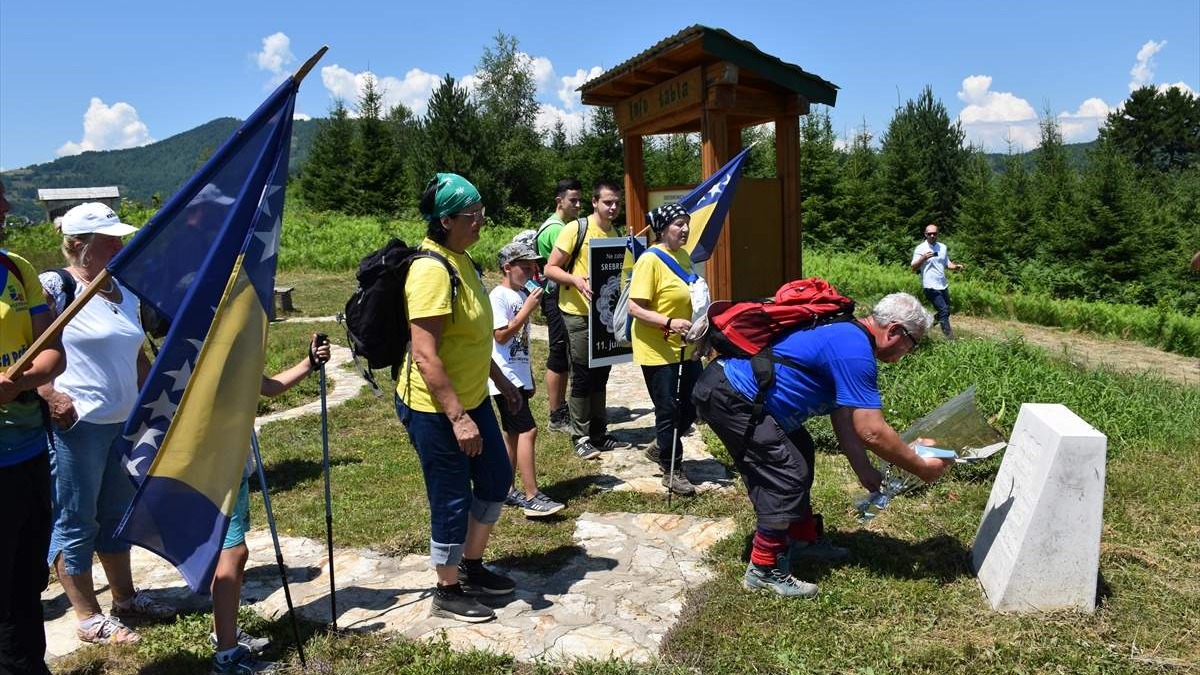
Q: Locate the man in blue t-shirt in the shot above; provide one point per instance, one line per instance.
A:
(834, 373)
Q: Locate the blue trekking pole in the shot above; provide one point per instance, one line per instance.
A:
(321, 339)
(287, 593)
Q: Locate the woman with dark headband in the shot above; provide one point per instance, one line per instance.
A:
(442, 400)
(660, 301)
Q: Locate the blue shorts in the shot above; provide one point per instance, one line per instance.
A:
(239, 521)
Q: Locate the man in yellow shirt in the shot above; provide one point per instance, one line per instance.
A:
(587, 402)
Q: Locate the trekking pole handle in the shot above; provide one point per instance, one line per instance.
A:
(319, 340)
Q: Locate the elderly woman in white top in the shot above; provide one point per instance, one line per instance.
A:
(88, 404)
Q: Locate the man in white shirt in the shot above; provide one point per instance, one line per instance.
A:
(931, 260)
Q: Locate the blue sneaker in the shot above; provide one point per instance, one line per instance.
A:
(539, 505)
(241, 662)
(256, 645)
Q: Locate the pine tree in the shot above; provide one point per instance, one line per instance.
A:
(856, 224)
(1157, 130)
(451, 137)
(672, 160)
(325, 180)
(818, 176)
(375, 158)
(598, 155)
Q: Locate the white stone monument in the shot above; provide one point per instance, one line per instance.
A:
(1038, 544)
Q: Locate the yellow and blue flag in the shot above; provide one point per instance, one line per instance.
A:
(708, 205)
(207, 262)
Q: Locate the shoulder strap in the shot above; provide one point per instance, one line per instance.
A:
(12, 267)
(578, 245)
(689, 278)
(68, 284)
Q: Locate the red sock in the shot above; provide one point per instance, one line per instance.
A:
(803, 530)
(768, 543)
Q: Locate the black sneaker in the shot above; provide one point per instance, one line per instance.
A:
(476, 579)
(585, 450)
(607, 442)
(450, 602)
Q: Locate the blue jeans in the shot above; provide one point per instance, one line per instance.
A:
(661, 382)
(458, 487)
(91, 494)
(940, 299)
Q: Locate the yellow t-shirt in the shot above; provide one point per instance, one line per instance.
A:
(21, 431)
(466, 345)
(570, 300)
(668, 295)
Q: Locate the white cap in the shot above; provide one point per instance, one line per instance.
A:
(211, 194)
(94, 218)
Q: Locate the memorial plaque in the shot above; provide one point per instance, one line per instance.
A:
(1038, 543)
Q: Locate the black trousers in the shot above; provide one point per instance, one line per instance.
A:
(777, 467)
(24, 543)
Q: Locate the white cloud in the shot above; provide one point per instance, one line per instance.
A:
(413, 90)
(301, 117)
(1142, 72)
(548, 115)
(569, 83)
(994, 119)
(1181, 85)
(108, 128)
(275, 56)
(1083, 124)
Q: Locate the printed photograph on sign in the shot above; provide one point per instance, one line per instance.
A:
(606, 258)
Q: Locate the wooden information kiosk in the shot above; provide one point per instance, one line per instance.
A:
(708, 81)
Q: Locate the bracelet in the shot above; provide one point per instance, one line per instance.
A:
(668, 326)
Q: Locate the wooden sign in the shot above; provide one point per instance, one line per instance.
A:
(674, 94)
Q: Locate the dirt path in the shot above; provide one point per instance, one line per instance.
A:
(1090, 351)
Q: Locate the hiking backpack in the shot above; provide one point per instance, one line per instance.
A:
(376, 318)
(748, 329)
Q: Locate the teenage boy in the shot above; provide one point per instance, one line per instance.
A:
(587, 403)
(513, 301)
(567, 200)
(235, 649)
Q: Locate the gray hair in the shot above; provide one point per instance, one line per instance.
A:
(905, 310)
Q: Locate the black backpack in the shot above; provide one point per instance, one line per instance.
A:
(376, 318)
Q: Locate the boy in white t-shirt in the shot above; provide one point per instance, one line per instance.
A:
(513, 301)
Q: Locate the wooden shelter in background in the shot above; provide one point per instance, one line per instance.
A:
(708, 81)
(57, 201)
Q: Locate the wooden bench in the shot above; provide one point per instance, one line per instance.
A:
(283, 299)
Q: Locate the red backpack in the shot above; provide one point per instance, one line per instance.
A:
(747, 329)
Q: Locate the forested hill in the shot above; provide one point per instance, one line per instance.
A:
(159, 168)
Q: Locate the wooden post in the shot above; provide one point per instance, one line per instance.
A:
(635, 182)
(787, 170)
(714, 152)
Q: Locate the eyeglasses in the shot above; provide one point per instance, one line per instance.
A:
(479, 215)
(910, 337)
(931, 234)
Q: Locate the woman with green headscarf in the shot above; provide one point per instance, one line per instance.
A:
(442, 400)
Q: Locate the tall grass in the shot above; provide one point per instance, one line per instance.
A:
(867, 281)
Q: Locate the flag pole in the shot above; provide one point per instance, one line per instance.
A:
(287, 593)
(56, 327)
(309, 64)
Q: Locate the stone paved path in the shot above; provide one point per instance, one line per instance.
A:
(616, 597)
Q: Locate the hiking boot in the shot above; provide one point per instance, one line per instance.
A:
(475, 579)
(778, 580)
(254, 645)
(241, 662)
(560, 420)
(539, 506)
(142, 606)
(585, 450)
(821, 550)
(652, 452)
(609, 443)
(678, 482)
(450, 602)
(107, 630)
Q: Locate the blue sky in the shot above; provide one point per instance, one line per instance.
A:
(77, 76)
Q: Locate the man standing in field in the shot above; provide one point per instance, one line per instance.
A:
(931, 260)
(587, 402)
(566, 209)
